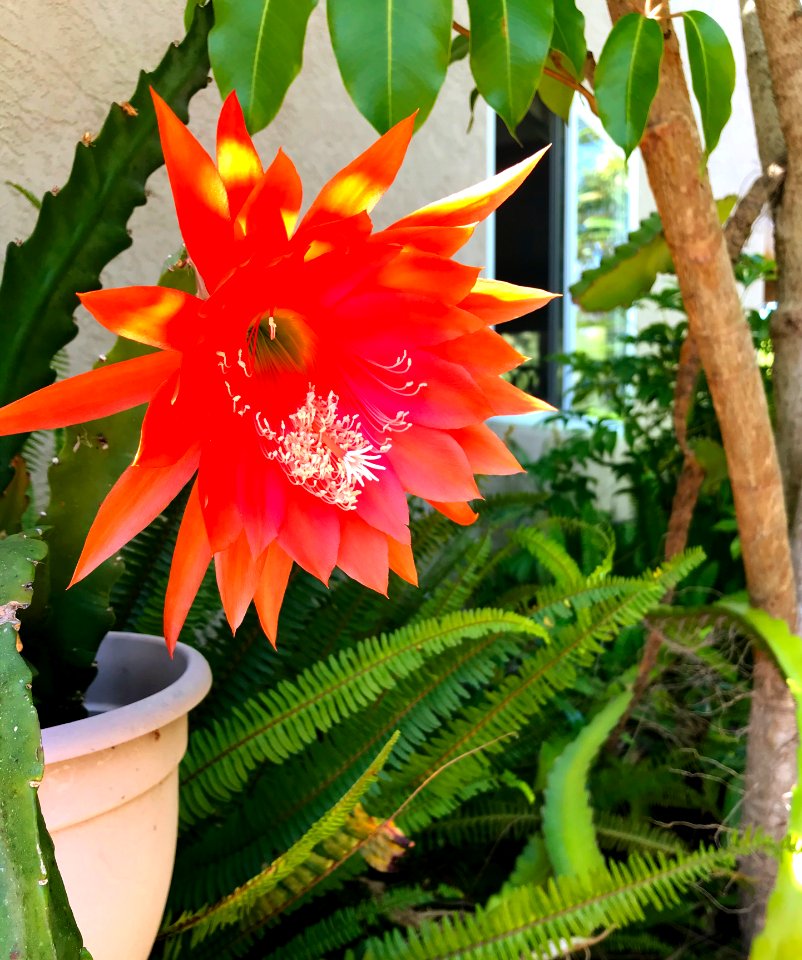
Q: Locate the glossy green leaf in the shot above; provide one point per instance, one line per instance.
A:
(569, 34)
(567, 56)
(509, 46)
(35, 920)
(256, 48)
(82, 227)
(460, 47)
(781, 937)
(712, 73)
(555, 94)
(627, 76)
(629, 273)
(392, 54)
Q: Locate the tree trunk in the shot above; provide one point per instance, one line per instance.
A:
(781, 27)
(676, 168)
(780, 138)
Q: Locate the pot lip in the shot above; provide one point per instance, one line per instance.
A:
(133, 720)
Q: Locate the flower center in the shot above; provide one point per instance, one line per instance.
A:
(279, 341)
(326, 454)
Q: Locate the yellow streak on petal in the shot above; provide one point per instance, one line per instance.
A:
(496, 300)
(474, 203)
(237, 163)
(353, 191)
(317, 248)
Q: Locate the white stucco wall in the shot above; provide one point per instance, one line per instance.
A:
(63, 61)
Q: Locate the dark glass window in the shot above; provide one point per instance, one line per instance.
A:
(573, 210)
(529, 243)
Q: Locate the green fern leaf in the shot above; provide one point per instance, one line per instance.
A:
(567, 813)
(625, 833)
(239, 904)
(349, 924)
(221, 854)
(562, 916)
(512, 704)
(288, 717)
(553, 555)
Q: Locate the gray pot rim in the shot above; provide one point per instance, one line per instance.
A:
(138, 689)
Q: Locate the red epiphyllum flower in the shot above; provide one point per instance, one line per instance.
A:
(326, 372)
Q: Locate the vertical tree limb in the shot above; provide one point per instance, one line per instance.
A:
(781, 28)
(675, 165)
(689, 483)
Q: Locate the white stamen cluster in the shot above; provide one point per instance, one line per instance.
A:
(324, 453)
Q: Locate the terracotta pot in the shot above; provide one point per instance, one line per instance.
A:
(110, 790)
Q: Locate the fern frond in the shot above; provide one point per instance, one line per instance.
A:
(220, 854)
(349, 924)
(285, 719)
(511, 705)
(626, 833)
(551, 554)
(567, 813)
(641, 945)
(597, 541)
(453, 592)
(246, 898)
(551, 920)
(484, 827)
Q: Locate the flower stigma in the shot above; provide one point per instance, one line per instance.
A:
(327, 454)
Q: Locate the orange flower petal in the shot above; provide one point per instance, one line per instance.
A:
(384, 506)
(217, 489)
(271, 589)
(363, 554)
(310, 534)
(401, 560)
(359, 186)
(444, 241)
(450, 397)
(88, 396)
(428, 275)
(238, 575)
(134, 501)
(157, 316)
(191, 559)
(483, 351)
(474, 204)
(201, 201)
(260, 498)
(507, 400)
(237, 160)
(413, 320)
(485, 450)
(278, 192)
(431, 464)
(496, 301)
(459, 512)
